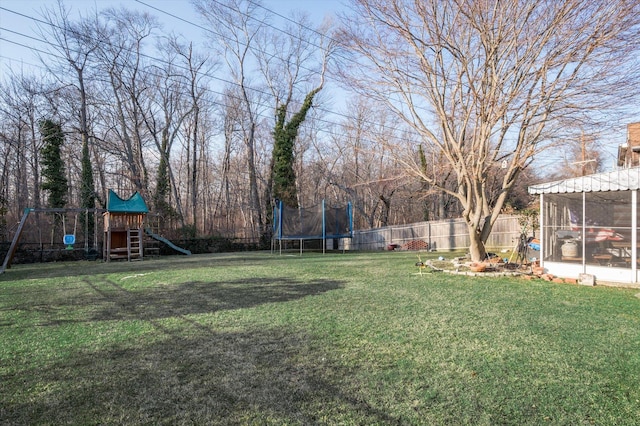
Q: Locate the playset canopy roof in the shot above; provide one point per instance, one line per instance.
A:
(134, 204)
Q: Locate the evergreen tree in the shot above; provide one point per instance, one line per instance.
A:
(54, 179)
(283, 176)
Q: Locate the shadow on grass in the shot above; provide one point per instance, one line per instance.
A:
(82, 267)
(186, 372)
(200, 297)
(197, 376)
(106, 300)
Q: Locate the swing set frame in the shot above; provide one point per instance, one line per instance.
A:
(63, 212)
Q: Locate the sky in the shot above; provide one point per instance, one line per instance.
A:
(18, 37)
(19, 41)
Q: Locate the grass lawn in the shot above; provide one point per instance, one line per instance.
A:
(350, 339)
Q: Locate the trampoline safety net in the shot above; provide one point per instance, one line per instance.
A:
(317, 222)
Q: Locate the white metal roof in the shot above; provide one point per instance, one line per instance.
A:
(617, 180)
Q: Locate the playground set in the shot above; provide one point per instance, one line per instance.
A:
(123, 232)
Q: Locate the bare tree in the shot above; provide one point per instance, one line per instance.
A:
(196, 67)
(487, 81)
(439, 204)
(73, 44)
(22, 104)
(582, 155)
(294, 64)
(236, 24)
(232, 121)
(166, 108)
(365, 168)
(123, 61)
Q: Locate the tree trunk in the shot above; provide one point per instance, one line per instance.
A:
(254, 196)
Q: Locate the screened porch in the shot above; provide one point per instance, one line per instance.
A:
(589, 225)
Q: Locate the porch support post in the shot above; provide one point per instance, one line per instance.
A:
(543, 232)
(584, 232)
(634, 235)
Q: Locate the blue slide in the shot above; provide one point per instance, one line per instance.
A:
(167, 242)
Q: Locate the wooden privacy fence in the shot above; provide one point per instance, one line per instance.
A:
(450, 234)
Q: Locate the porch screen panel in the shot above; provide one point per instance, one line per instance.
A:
(607, 231)
(562, 223)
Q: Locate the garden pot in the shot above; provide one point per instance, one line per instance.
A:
(477, 267)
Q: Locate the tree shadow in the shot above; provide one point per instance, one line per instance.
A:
(106, 300)
(85, 267)
(196, 376)
(186, 372)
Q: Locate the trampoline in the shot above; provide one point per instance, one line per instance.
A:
(319, 222)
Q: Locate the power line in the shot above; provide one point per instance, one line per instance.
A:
(213, 77)
(206, 74)
(142, 54)
(174, 78)
(155, 59)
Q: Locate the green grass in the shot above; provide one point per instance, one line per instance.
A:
(353, 339)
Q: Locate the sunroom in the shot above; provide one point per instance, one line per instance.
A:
(589, 225)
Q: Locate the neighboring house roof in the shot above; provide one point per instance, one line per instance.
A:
(134, 204)
(617, 180)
